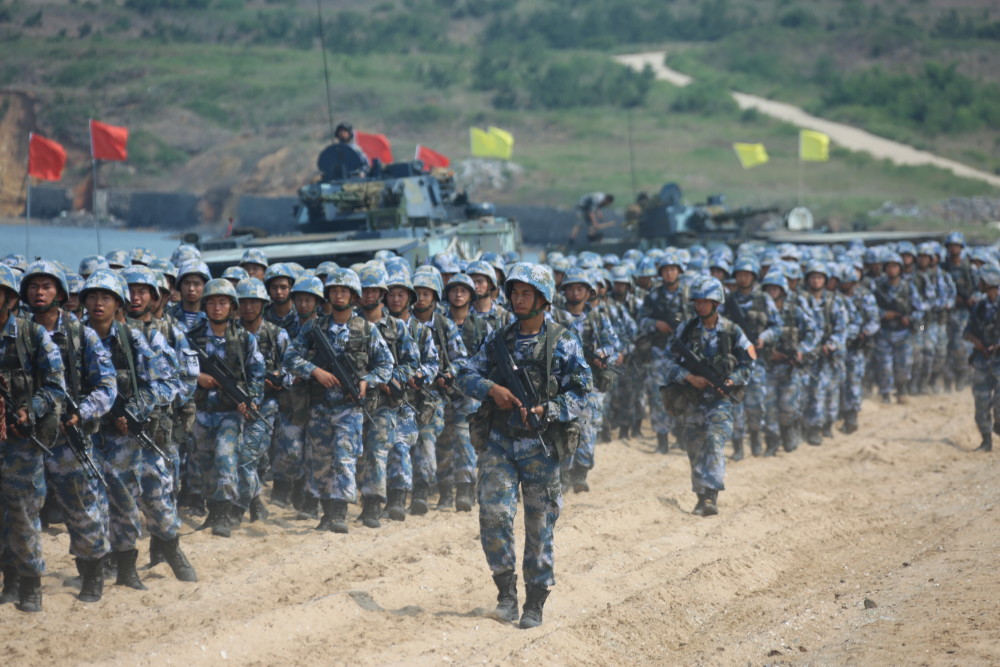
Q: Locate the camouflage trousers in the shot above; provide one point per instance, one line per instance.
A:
(818, 387)
(289, 449)
(852, 390)
(957, 369)
(590, 417)
(430, 424)
(379, 436)
(500, 474)
(739, 421)
(893, 356)
(218, 437)
(400, 467)
(182, 435)
(838, 375)
(118, 457)
(256, 439)
(704, 431)
(80, 498)
(986, 396)
(783, 401)
(157, 481)
(624, 406)
(333, 443)
(22, 490)
(923, 343)
(456, 459)
(658, 417)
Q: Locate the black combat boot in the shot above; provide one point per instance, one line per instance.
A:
(755, 446)
(580, 484)
(737, 449)
(662, 443)
(30, 594)
(334, 516)
(986, 446)
(235, 514)
(637, 429)
(194, 504)
(711, 502)
(212, 518)
(814, 435)
(11, 585)
(298, 494)
(418, 503)
(506, 597)
(623, 432)
(886, 399)
(281, 490)
(789, 437)
(309, 509)
(395, 509)
(463, 497)
(155, 551)
(773, 441)
(535, 600)
(91, 580)
(850, 422)
(901, 396)
(178, 562)
(828, 430)
(127, 576)
(258, 510)
(218, 519)
(371, 510)
(445, 498)
(605, 432)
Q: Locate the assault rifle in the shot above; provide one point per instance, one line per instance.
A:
(24, 430)
(78, 441)
(398, 392)
(516, 379)
(135, 427)
(229, 384)
(334, 363)
(699, 365)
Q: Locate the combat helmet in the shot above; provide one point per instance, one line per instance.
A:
(343, 278)
(92, 263)
(309, 285)
(483, 268)
(8, 280)
(431, 281)
(578, 275)
(107, 280)
(44, 267)
(708, 288)
(254, 256)
(777, 278)
(536, 275)
(118, 258)
(194, 267)
(463, 280)
(235, 274)
(252, 288)
(220, 287)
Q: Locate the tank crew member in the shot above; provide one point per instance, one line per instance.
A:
(590, 211)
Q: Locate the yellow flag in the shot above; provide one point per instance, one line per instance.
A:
(814, 146)
(750, 155)
(484, 144)
(505, 140)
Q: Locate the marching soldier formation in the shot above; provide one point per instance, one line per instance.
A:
(138, 389)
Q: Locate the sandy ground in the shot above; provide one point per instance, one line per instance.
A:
(847, 136)
(900, 513)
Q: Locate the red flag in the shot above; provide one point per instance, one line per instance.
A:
(375, 146)
(107, 142)
(431, 159)
(46, 158)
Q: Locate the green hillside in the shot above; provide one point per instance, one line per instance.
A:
(230, 93)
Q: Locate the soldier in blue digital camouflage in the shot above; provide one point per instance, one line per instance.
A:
(145, 381)
(158, 475)
(828, 313)
(785, 352)
(957, 265)
(398, 300)
(221, 420)
(334, 431)
(90, 382)
(864, 318)
(380, 433)
(456, 459)
(706, 421)
(626, 409)
(665, 307)
(937, 289)
(902, 308)
(625, 331)
(600, 350)
(755, 312)
(192, 275)
(430, 415)
(983, 333)
(273, 342)
(254, 262)
(511, 453)
(32, 375)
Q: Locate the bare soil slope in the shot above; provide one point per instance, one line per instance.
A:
(900, 514)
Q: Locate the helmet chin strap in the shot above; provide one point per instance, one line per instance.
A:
(222, 321)
(575, 302)
(535, 310)
(340, 309)
(371, 306)
(715, 309)
(41, 310)
(281, 302)
(423, 310)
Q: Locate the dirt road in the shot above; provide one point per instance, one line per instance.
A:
(899, 514)
(847, 136)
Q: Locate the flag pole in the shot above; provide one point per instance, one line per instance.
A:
(631, 153)
(27, 204)
(93, 197)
